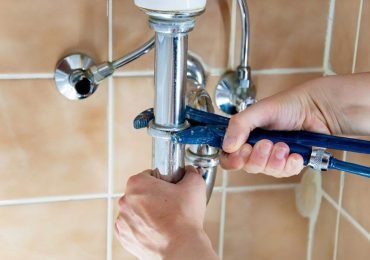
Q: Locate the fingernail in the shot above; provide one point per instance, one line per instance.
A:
(229, 141)
(280, 153)
(265, 148)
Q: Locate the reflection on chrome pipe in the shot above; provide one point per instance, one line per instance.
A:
(171, 48)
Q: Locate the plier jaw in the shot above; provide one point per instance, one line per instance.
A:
(212, 135)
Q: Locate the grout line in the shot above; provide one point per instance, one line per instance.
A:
(217, 72)
(51, 199)
(288, 71)
(329, 36)
(339, 209)
(222, 216)
(232, 38)
(134, 73)
(15, 76)
(260, 187)
(110, 139)
(310, 237)
(348, 216)
(354, 61)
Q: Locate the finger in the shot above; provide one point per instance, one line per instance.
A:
(191, 177)
(294, 165)
(258, 159)
(276, 163)
(237, 160)
(243, 123)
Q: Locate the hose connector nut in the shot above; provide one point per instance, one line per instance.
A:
(319, 159)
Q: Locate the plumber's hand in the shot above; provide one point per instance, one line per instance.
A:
(304, 107)
(160, 220)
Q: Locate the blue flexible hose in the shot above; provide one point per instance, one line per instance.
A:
(349, 167)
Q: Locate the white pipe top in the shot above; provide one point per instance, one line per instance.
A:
(171, 5)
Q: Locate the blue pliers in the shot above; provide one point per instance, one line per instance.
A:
(208, 128)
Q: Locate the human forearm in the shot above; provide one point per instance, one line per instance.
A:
(344, 102)
(192, 245)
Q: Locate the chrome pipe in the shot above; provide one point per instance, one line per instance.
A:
(144, 49)
(171, 48)
(244, 49)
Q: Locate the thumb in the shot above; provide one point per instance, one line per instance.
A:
(192, 177)
(241, 124)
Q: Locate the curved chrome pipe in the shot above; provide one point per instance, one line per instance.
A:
(235, 90)
(203, 157)
(244, 49)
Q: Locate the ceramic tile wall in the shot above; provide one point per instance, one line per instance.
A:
(64, 164)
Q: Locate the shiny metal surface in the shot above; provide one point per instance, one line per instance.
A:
(319, 159)
(77, 77)
(235, 91)
(230, 97)
(71, 77)
(171, 48)
(203, 157)
(196, 72)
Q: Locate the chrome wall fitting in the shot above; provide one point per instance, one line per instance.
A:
(77, 77)
(71, 76)
(235, 91)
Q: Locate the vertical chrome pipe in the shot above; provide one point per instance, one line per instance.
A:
(169, 105)
(170, 88)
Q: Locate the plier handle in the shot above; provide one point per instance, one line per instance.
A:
(208, 128)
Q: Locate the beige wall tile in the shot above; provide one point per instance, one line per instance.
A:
(132, 147)
(211, 35)
(36, 34)
(351, 243)
(331, 178)
(356, 191)
(264, 225)
(324, 237)
(343, 38)
(48, 144)
(131, 29)
(212, 221)
(286, 34)
(363, 60)
(67, 230)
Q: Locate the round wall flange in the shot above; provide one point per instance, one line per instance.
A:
(71, 76)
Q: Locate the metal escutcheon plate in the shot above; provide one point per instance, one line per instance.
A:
(69, 76)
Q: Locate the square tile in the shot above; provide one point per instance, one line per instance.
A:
(211, 35)
(363, 61)
(356, 191)
(36, 34)
(131, 30)
(344, 33)
(49, 145)
(331, 178)
(351, 243)
(64, 230)
(133, 148)
(284, 35)
(324, 236)
(264, 225)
